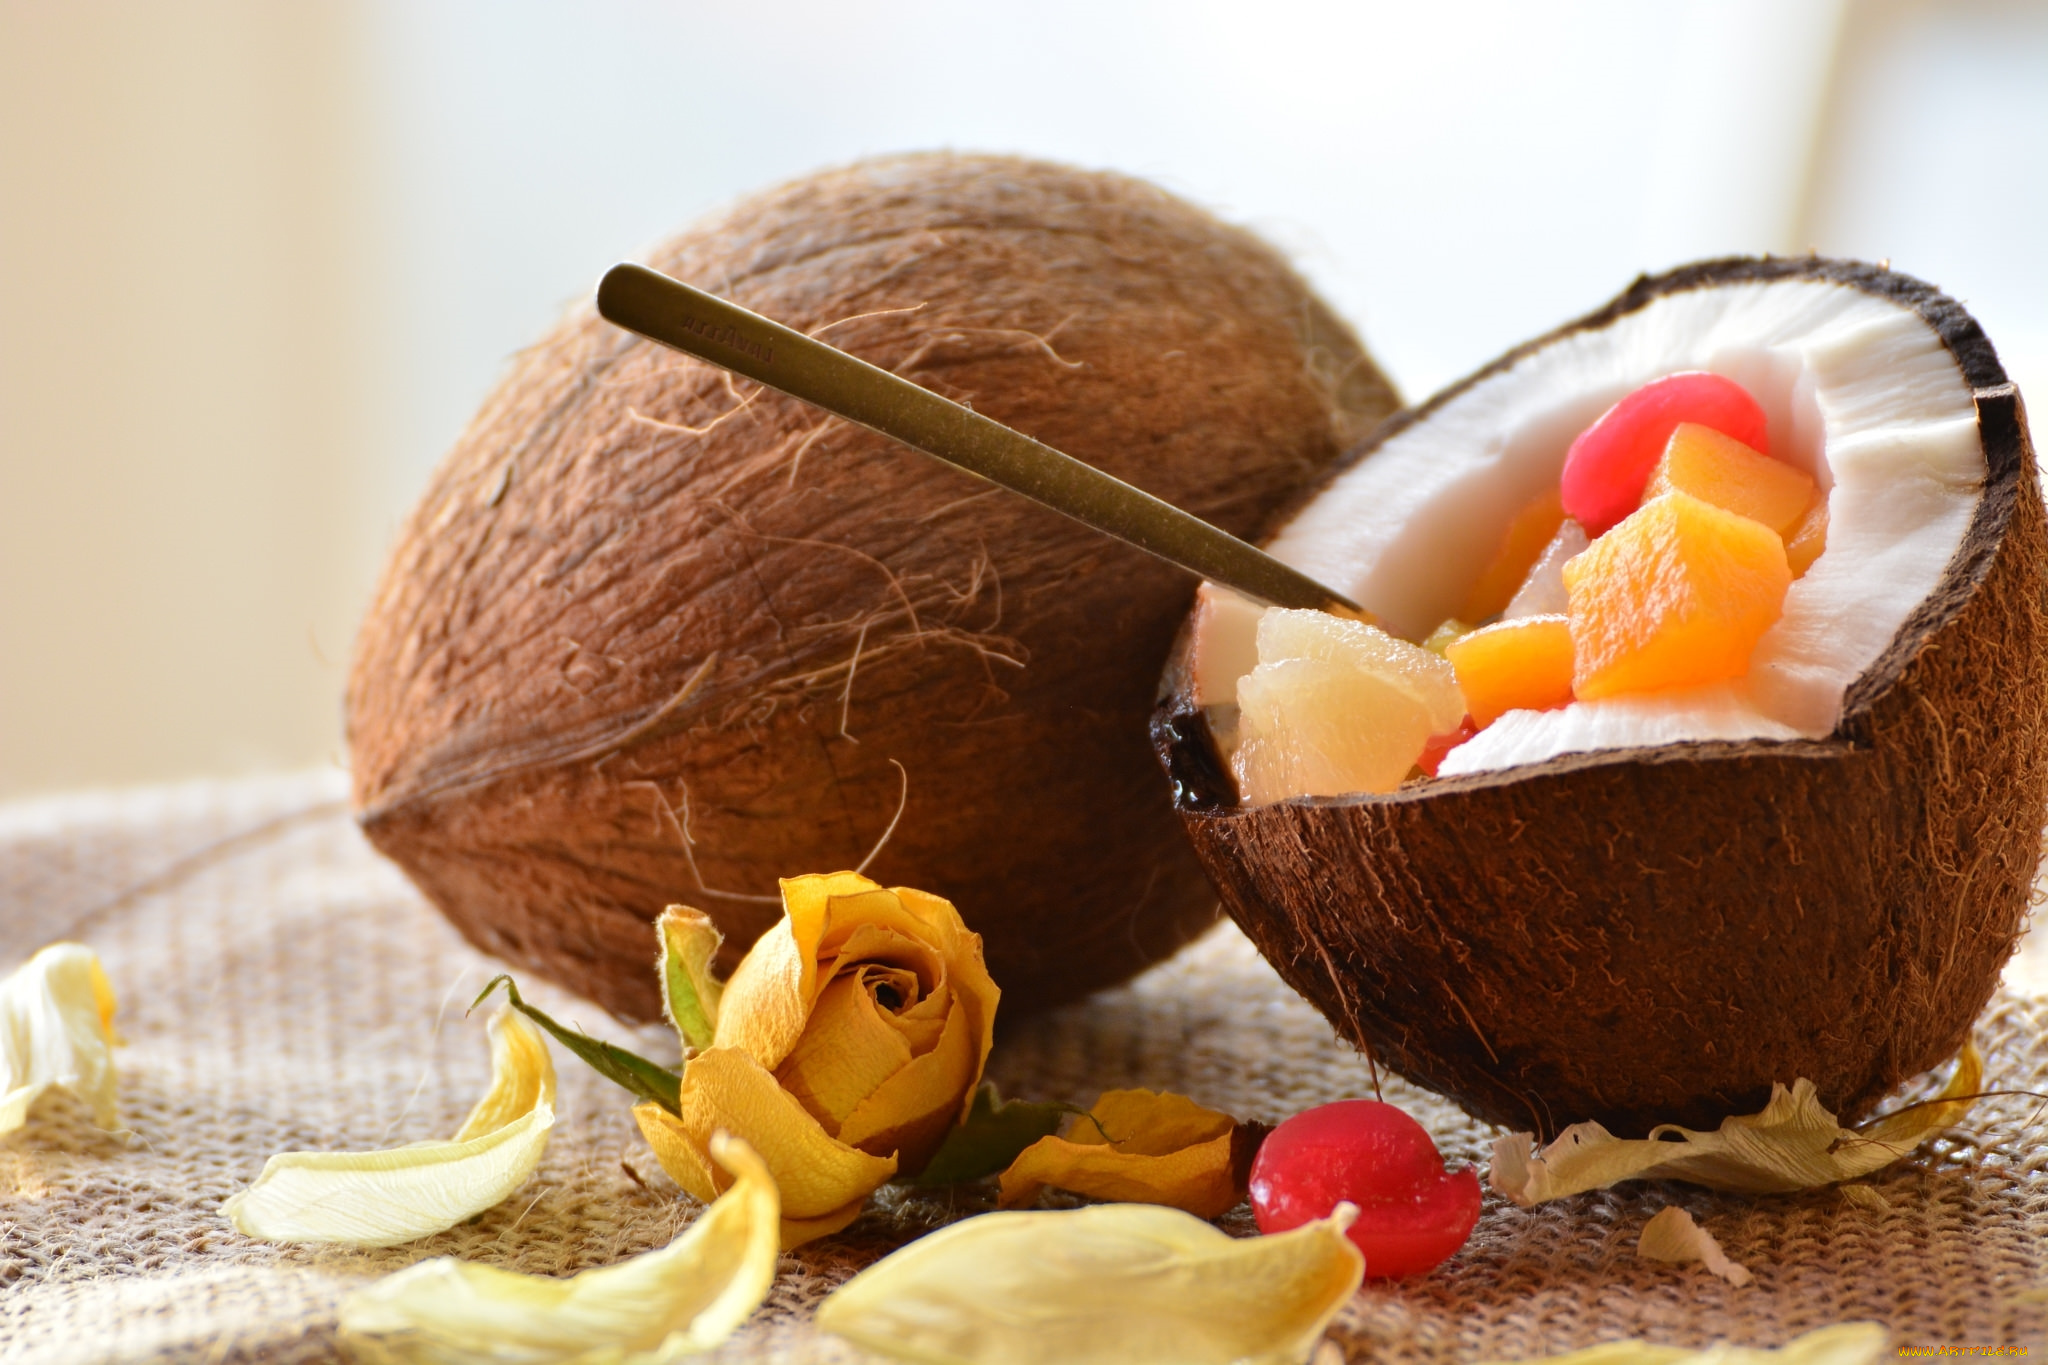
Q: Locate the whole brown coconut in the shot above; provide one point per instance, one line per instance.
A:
(657, 635)
(1660, 933)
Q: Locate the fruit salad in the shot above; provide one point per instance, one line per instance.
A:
(1658, 561)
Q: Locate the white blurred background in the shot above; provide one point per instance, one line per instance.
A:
(259, 261)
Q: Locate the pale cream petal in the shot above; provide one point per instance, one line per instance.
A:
(1901, 1132)
(726, 1090)
(1132, 1284)
(658, 1307)
(57, 1031)
(1848, 1343)
(1672, 1235)
(1794, 1144)
(375, 1199)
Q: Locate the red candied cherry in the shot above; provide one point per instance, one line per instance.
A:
(1607, 467)
(1412, 1213)
(1437, 748)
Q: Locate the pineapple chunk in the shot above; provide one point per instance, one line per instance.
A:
(1336, 706)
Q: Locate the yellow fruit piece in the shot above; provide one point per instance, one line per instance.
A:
(1675, 596)
(1722, 470)
(1331, 639)
(1440, 638)
(1307, 727)
(1526, 536)
(1520, 665)
(1810, 538)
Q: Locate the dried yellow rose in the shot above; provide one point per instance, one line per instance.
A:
(57, 1032)
(1133, 1284)
(847, 1045)
(1136, 1146)
(375, 1199)
(1794, 1144)
(657, 1307)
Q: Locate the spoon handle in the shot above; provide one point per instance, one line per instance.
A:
(725, 334)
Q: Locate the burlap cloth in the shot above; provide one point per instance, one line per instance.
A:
(282, 987)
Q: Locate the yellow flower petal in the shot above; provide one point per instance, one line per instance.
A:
(797, 1231)
(875, 923)
(911, 1112)
(967, 974)
(847, 1050)
(1848, 1343)
(522, 1077)
(724, 1089)
(1794, 1144)
(376, 1199)
(57, 1030)
(1672, 1235)
(1127, 1283)
(769, 997)
(657, 1307)
(1141, 1148)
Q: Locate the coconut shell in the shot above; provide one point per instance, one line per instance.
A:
(657, 635)
(1659, 934)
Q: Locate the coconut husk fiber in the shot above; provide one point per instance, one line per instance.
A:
(282, 986)
(654, 634)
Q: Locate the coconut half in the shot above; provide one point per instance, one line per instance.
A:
(1815, 871)
(656, 635)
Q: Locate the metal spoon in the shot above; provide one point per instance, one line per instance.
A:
(725, 334)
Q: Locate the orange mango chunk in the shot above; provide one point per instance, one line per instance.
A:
(1809, 539)
(1526, 536)
(1519, 665)
(1676, 595)
(1722, 470)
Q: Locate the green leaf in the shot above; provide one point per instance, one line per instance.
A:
(995, 1131)
(689, 993)
(630, 1070)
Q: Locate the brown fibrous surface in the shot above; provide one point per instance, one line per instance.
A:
(657, 635)
(1659, 935)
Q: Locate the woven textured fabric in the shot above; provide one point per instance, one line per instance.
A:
(281, 987)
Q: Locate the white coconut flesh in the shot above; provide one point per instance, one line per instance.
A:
(1859, 392)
